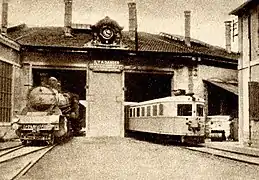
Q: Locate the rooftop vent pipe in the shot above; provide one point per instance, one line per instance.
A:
(4, 16)
(187, 15)
(68, 17)
(228, 35)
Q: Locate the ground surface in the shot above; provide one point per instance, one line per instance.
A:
(124, 158)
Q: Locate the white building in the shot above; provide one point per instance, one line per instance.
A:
(248, 66)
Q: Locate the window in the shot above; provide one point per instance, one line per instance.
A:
(148, 111)
(134, 112)
(184, 109)
(154, 110)
(131, 112)
(138, 112)
(5, 91)
(142, 111)
(199, 110)
(161, 109)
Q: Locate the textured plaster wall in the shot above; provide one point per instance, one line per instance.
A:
(12, 57)
(245, 73)
(9, 54)
(203, 73)
(181, 78)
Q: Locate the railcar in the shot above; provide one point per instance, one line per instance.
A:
(180, 118)
(46, 117)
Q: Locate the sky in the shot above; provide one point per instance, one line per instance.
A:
(154, 16)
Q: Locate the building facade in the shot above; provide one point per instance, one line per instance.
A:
(107, 66)
(248, 66)
(10, 70)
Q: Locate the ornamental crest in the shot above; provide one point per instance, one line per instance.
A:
(106, 33)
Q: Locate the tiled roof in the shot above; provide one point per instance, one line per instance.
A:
(153, 43)
(48, 36)
(199, 47)
(54, 36)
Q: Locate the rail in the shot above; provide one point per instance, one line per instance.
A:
(15, 162)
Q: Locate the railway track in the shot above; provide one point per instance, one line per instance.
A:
(228, 154)
(15, 162)
(246, 157)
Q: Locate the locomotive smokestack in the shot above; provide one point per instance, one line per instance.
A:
(228, 35)
(68, 17)
(4, 16)
(187, 15)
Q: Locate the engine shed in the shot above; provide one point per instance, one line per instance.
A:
(107, 66)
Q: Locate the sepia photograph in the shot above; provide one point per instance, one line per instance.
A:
(129, 90)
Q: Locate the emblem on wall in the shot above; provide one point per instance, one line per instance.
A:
(106, 33)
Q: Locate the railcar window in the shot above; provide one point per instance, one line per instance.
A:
(142, 111)
(199, 109)
(154, 110)
(134, 112)
(148, 111)
(130, 112)
(161, 109)
(184, 109)
(138, 112)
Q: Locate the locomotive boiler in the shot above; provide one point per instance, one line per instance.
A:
(46, 117)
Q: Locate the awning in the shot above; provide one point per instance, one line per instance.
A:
(231, 87)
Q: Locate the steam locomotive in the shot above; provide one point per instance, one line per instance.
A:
(48, 116)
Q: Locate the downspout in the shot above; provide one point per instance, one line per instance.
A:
(136, 39)
(249, 75)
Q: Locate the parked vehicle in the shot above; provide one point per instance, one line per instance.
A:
(218, 127)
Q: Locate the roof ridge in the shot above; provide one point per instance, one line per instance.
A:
(182, 47)
(181, 38)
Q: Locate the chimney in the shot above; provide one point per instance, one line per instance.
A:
(187, 15)
(228, 35)
(132, 20)
(68, 17)
(4, 16)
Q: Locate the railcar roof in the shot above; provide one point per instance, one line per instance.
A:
(182, 98)
(130, 103)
